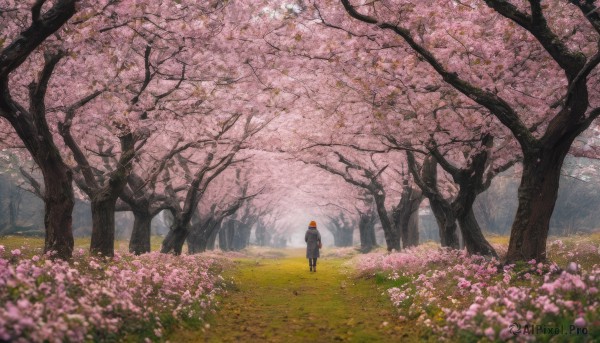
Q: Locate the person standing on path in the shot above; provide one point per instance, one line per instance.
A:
(313, 244)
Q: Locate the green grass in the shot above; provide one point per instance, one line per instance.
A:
(496, 239)
(35, 245)
(585, 250)
(279, 300)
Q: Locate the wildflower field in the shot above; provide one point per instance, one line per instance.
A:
(469, 298)
(126, 298)
(426, 293)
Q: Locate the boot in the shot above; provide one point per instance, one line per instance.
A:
(310, 267)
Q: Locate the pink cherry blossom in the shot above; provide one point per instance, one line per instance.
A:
(579, 322)
(58, 301)
(473, 292)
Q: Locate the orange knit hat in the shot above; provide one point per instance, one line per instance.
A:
(312, 224)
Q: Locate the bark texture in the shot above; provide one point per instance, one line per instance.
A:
(426, 178)
(537, 196)
(366, 226)
(173, 242)
(139, 243)
(406, 215)
(59, 202)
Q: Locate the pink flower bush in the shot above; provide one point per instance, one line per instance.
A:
(89, 299)
(457, 295)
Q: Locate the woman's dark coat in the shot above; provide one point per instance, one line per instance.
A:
(312, 237)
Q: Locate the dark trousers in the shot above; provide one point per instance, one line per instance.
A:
(312, 262)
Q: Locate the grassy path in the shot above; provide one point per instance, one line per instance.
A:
(279, 300)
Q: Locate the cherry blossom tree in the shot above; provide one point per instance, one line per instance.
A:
(30, 123)
(126, 63)
(367, 104)
(226, 198)
(368, 178)
(212, 162)
(86, 31)
(561, 39)
(204, 232)
(148, 99)
(144, 196)
(469, 178)
(103, 189)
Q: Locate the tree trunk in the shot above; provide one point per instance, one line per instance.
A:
(537, 196)
(230, 234)
(103, 224)
(406, 216)
(441, 208)
(342, 233)
(261, 234)
(236, 243)
(194, 238)
(244, 231)
(197, 244)
(210, 245)
(5, 188)
(446, 221)
(223, 238)
(202, 236)
(241, 236)
(10, 204)
(140, 236)
(345, 239)
(59, 202)
(58, 188)
(473, 239)
(173, 242)
(13, 206)
(335, 232)
(366, 226)
(336, 238)
(410, 236)
(392, 238)
(372, 236)
(226, 236)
